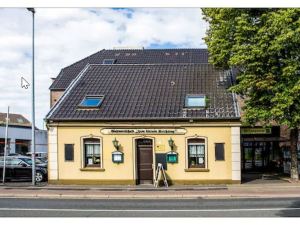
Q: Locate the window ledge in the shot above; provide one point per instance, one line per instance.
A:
(92, 169)
(196, 170)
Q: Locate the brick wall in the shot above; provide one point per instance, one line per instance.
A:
(54, 96)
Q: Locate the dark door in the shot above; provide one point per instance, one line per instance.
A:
(256, 156)
(144, 148)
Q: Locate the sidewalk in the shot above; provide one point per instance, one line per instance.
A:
(270, 190)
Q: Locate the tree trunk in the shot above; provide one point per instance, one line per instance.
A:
(294, 154)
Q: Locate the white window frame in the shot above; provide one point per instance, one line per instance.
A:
(195, 96)
(187, 152)
(82, 152)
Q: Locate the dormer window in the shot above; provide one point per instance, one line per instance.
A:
(91, 101)
(109, 61)
(20, 120)
(195, 101)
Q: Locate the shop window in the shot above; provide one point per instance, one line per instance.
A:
(92, 156)
(219, 151)
(195, 101)
(22, 146)
(196, 153)
(69, 152)
(2, 145)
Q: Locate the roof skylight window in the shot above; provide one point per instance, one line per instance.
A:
(109, 61)
(195, 101)
(91, 101)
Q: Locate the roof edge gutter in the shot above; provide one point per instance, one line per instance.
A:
(69, 88)
(149, 119)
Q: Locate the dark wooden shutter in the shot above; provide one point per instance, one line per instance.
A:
(219, 151)
(69, 152)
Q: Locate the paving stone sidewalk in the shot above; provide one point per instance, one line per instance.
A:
(269, 190)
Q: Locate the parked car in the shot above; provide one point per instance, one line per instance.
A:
(39, 159)
(42, 159)
(20, 168)
(42, 156)
(38, 154)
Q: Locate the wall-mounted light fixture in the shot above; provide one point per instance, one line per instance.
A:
(172, 156)
(171, 144)
(116, 144)
(117, 156)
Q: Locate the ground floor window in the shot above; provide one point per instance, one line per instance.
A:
(2, 145)
(92, 156)
(22, 146)
(261, 156)
(196, 153)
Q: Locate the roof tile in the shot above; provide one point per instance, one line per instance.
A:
(156, 91)
(130, 56)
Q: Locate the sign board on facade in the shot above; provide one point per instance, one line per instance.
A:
(256, 130)
(142, 131)
(160, 147)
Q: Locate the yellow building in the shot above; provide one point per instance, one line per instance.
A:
(115, 122)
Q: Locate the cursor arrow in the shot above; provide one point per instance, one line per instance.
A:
(24, 83)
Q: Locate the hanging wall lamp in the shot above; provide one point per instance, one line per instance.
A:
(172, 156)
(117, 156)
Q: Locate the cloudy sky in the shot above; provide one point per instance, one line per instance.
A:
(66, 35)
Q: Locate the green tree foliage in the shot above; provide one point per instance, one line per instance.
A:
(264, 45)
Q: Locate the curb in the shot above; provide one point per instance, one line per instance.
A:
(162, 189)
(105, 196)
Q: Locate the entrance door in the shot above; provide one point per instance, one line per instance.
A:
(255, 156)
(144, 149)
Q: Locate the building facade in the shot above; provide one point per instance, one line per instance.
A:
(116, 119)
(82, 153)
(19, 135)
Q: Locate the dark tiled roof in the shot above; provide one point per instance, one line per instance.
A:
(14, 119)
(146, 92)
(130, 56)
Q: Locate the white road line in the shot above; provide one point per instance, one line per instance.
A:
(148, 210)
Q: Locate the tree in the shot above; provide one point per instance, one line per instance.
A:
(264, 45)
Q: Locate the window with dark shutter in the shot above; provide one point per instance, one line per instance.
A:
(219, 151)
(69, 152)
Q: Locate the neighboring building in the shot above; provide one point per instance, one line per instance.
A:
(265, 149)
(19, 135)
(120, 112)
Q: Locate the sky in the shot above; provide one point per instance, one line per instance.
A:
(66, 35)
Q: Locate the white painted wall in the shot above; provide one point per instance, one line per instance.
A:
(52, 156)
(236, 153)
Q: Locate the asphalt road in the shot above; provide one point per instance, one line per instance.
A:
(12, 207)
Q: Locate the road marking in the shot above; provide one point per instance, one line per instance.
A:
(148, 210)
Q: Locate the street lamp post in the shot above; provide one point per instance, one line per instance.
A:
(5, 146)
(33, 104)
